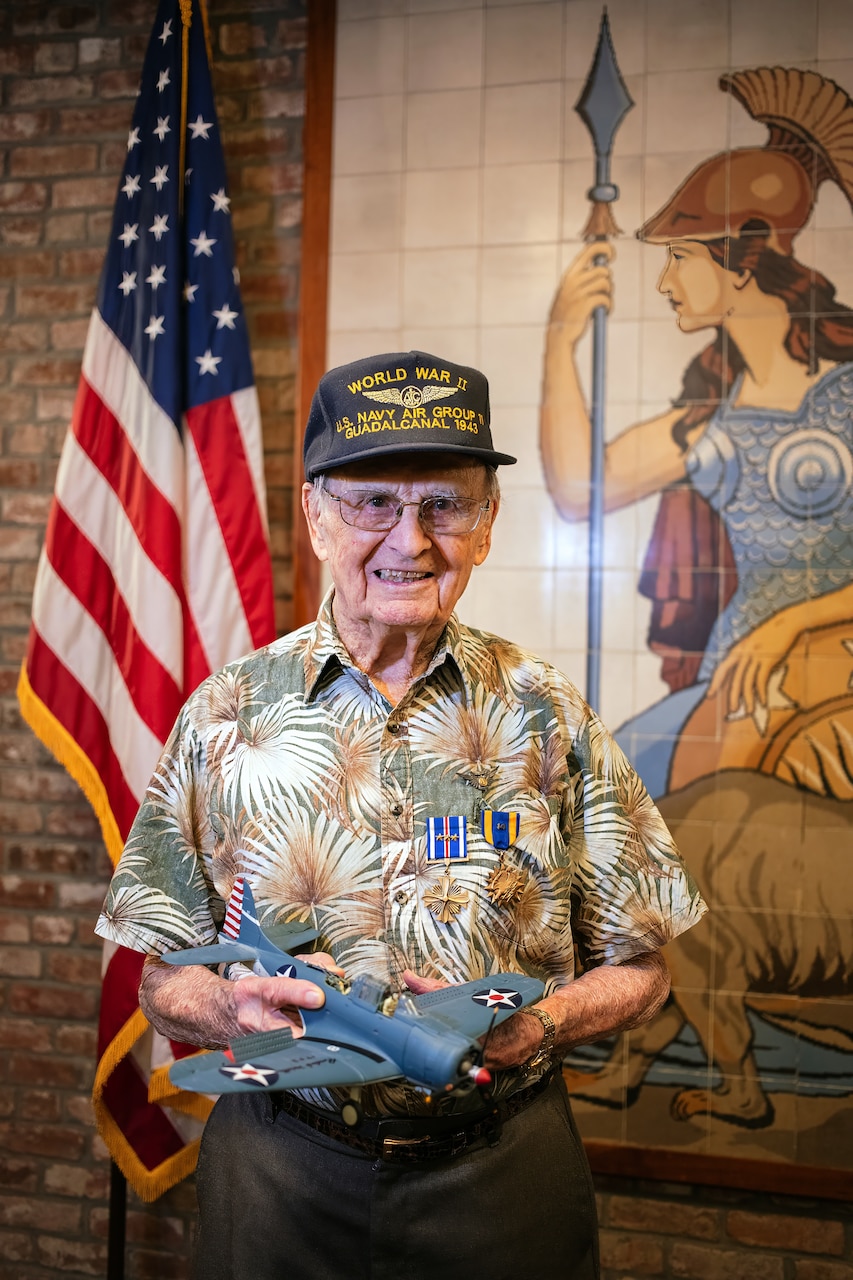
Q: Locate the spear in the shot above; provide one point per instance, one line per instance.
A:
(603, 104)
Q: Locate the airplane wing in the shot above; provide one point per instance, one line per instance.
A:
(275, 1060)
(473, 1007)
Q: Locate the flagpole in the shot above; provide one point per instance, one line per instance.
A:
(602, 105)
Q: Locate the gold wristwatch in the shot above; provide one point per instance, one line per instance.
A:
(542, 1056)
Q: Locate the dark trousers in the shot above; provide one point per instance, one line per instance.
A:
(278, 1201)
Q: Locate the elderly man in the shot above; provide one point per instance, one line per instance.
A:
(322, 768)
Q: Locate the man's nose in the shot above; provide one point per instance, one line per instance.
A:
(408, 534)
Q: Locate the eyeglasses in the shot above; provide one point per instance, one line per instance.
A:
(378, 512)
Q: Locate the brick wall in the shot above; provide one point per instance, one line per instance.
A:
(68, 73)
(68, 76)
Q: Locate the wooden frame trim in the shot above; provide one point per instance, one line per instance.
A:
(314, 276)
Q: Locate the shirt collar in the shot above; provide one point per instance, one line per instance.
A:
(327, 650)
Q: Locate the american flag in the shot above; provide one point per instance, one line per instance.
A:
(156, 566)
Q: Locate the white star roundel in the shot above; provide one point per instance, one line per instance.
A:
(263, 1077)
(286, 971)
(498, 998)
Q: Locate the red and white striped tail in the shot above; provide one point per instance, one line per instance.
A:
(234, 911)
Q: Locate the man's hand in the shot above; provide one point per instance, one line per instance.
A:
(514, 1042)
(603, 1001)
(195, 1006)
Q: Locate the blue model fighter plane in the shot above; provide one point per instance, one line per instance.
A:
(364, 1032)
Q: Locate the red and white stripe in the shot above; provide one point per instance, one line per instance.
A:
(155, 569)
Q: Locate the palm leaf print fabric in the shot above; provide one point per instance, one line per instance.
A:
(291, 768)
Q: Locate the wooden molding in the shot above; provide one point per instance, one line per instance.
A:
(314, 277)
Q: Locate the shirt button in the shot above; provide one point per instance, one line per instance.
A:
(401, 897)
(393, 726)
(396, 809)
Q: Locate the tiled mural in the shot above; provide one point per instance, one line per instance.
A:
(460, 197)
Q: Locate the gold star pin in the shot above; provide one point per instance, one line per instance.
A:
(446, 898)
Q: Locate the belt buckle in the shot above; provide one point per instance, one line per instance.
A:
(391, 1146)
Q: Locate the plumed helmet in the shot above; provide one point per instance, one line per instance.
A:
(734, 188)
(810, 119)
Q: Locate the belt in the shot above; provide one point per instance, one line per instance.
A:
(415, 1138)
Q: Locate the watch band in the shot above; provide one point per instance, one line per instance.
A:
(542, 1056)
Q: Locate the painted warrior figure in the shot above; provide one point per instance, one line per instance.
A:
(750, 567)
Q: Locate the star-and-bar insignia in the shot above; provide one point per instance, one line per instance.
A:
(498, 998)
(500, 828)
(263, 1077)
(447, 838)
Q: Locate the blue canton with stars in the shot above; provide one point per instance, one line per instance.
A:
(169, 289)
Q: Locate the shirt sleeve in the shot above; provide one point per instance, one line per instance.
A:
(631, 892)
(161, 897)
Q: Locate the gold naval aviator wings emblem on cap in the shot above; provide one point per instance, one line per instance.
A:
(410, 397)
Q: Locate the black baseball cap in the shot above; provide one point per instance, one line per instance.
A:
(400, 402)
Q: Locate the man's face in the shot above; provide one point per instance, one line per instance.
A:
(406, 578)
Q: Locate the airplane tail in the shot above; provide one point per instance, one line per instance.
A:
(242, 925)
(241, 919)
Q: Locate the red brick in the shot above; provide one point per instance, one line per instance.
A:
(55, 404)
(54, 56)
(81, 262)
(816, 1269)
(82, 1042)
(123, 83)
(46, 372)
(14, 928)
(292, 33)
(16, 59)
(97, 50)
(81, 970)
(22, 1175)
(272, 103)
(55, 299)
(53, 1141)
(96, 119)
(28, 439)
(23, 232)
(17, 1033)
(20, 962)
(80, 894)
(289, 213)
(72, 1255)
(54, 856)
(16, 125)
(151, 1265)
(76, 1181)
(240, 37)
(30, 162)
(273, 179)
(37, 91)
(62, 227)
(15, 1247)
(15, 1211)
(51, 1001)
(83, 193)
(23, 337)
(52, 931)
(699, 1262)
(53, 19)
(47, 1070)
(778, 1231)
(22, 197)
(637, 1255)
(252, 214)
(636, 1214)
(233, 76)
(26, 508)
(38, 1104)
(17, 817)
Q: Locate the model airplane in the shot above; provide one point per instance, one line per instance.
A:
(364, 1033)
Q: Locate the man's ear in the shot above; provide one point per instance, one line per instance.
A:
(485, 543)
(743, 278)
(312, 517)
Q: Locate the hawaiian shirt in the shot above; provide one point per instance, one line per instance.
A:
(290, 768)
